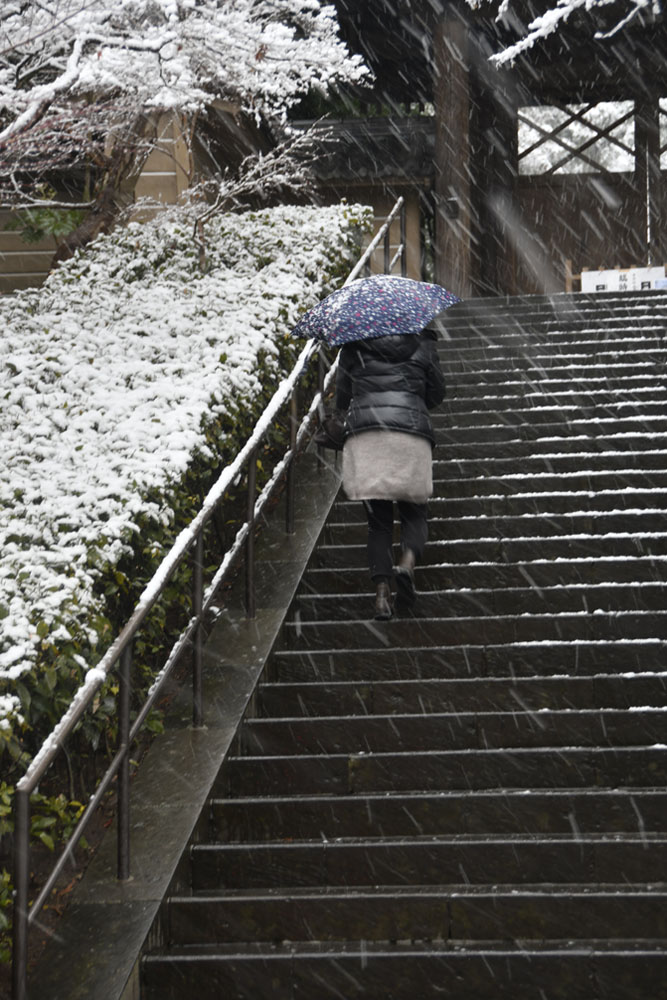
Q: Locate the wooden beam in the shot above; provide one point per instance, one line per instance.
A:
(497, 169)
(453, 207)
(648, 178)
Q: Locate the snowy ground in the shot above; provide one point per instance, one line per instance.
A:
(107, 375)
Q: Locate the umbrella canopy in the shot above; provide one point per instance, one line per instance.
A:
(379, 306)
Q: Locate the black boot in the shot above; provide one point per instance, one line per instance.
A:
(383, 607)
(406, 595)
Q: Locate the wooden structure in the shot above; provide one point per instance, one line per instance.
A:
(474, 220)
(497, 230)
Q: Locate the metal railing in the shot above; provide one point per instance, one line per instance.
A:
(190, 543)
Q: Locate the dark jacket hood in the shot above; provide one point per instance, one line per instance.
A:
(393, 349)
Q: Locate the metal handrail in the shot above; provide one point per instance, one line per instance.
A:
(188, 542)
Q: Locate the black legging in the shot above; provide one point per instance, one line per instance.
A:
(414, 532)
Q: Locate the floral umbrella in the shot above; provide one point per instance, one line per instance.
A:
(379, 306)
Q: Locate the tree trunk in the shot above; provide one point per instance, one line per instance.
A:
(126, 162)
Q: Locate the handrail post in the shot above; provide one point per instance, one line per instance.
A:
(368, 266)
(321, 375)
(250, 604)
(291, 471)
(21, 878)
(322, 367)
(387, 250)
(123, 813)
(197, 604)
(404, 255)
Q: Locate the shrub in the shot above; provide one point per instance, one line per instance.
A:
(127, 382)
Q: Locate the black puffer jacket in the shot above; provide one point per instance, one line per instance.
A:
(390, 383)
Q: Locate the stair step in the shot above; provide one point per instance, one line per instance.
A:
(514, 550)
(460, 912)
(584, 859)
(474, 385)
(557, 446)
(645, 656)
(356, 773)
(583, 571)
(457, 730)
(541, 482)
(543, 409)
(565, 346)
(628, 373)
(564, 396)
(443, 632)
(477, 432)
(471, 694)
(481, 602)
(552, 337)
(510, 811)
(535, 525)
(587, 970)
(583, 460)
(526, 502)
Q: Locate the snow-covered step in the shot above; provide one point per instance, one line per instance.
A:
(571, 399)
(522, 726)
(517, 550)
(604, 382)
(455, 602)
(531, 415)
(536, 334)
(440, 632)
(531, 502)
(452, 434)
(619, 371)
(322, 698)
(519, 860)
(652, 344)
(574, 572)
(476, 484)
(530, 525)
(583, 460)
(526, 768)
(633, 441)
(403, 968)
(505, 810)
(542, 658)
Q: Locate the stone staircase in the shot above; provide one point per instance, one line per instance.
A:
(469, 803)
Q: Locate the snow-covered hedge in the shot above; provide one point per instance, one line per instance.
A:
(111, 378)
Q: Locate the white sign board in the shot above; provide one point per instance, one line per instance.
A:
(629, 279)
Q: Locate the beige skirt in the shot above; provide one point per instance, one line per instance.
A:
(387, 465)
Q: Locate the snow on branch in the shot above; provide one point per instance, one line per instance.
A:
(76, 76)
(555, 17)
(45, 94)
(171, 54)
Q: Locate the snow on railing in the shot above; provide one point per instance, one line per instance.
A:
(189, 541)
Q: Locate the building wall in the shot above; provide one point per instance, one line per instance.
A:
(22, 265)
(168, 170)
